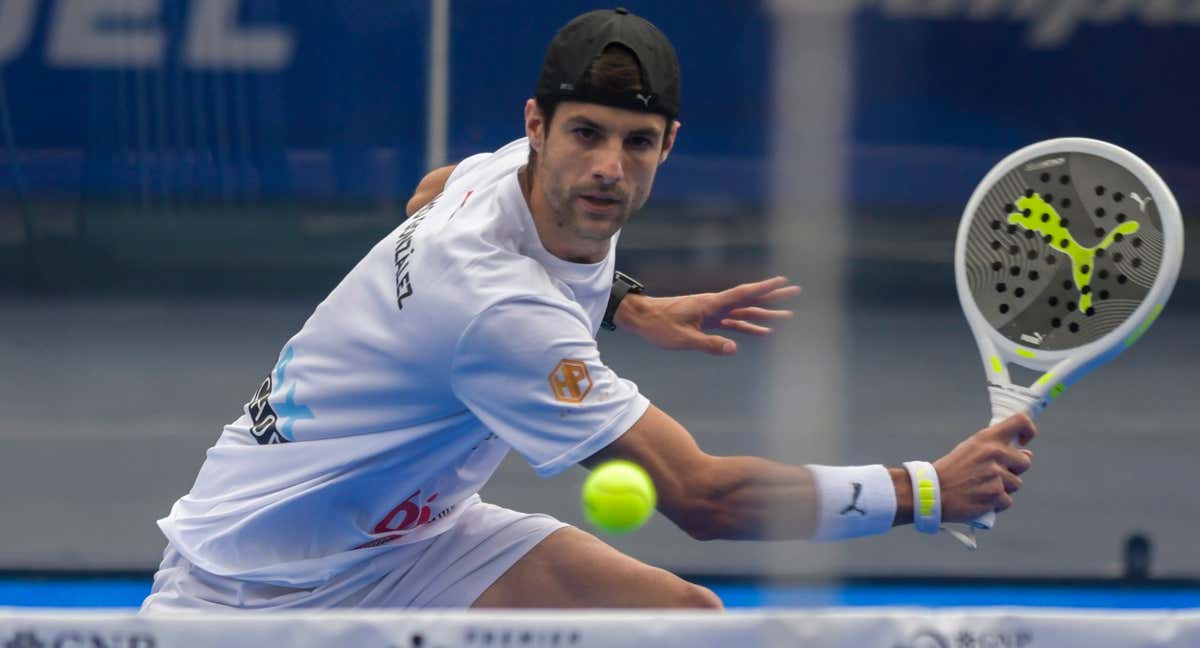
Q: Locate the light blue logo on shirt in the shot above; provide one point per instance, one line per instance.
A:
(288, 411)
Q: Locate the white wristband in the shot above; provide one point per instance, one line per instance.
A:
(853, 501)
(927, 496)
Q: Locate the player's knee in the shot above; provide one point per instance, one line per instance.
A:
(699, 598)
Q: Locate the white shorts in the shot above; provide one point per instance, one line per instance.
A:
(450, 570)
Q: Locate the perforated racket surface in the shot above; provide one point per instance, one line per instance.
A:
(1066, 253)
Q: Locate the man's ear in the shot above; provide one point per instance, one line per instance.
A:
(535, 125)
(669, 140)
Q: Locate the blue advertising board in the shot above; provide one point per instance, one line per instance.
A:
(214, 100)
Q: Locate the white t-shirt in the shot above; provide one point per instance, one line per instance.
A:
(455, 339)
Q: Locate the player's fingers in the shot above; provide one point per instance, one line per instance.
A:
(712, 344)
(760, 314)
(778, 294)
(1018, 460)
(750, 293)
(1003, 502)
(1012, 483)
(1018, 427)
(1026, 430)
(744, 327)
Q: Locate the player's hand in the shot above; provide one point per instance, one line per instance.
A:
(982, 473)
(679, 323)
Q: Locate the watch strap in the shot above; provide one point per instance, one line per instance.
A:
(623, 284)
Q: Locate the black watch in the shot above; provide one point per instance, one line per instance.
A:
(623, 284)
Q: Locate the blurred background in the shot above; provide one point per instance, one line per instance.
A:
(181, 182)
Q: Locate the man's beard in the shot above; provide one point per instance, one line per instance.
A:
(570, 214)
(573, 220)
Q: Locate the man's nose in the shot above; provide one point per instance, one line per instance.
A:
(607, 167)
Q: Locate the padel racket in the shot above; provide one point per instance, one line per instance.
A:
(1066, 253)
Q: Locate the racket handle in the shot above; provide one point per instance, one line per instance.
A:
(984, 522)
(1006, 401)
(1013, 399)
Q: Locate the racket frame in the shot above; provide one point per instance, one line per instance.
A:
(1063, 367)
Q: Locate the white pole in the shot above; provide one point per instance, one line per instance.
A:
(807, 204)
(438, 105)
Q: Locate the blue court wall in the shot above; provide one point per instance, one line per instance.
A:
(309, 100)
(350, 88)
(226, 123)
(941, 93)
(348, 91)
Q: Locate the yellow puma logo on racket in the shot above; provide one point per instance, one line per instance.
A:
(1040, 216)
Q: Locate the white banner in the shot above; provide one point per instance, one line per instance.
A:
(860, 628)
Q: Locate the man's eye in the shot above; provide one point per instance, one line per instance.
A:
(586, 134)
(640, 142)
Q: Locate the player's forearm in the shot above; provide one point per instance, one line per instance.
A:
(750, 498)
(632, 312)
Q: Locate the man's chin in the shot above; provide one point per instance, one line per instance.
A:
(597, 227)
(598, 233)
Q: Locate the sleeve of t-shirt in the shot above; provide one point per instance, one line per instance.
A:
(531, 372)
(515, 152)
(466, 166)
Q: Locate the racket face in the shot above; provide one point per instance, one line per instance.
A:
(1063, 243)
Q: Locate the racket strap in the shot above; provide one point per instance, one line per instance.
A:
(967, 539)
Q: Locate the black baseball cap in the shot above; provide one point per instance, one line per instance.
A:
(583, 39)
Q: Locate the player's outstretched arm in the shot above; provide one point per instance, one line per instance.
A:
(680, 323)
(744, 497)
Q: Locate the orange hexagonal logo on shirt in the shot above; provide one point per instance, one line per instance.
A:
(570, 381)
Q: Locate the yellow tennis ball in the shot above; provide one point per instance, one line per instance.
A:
(618, 497)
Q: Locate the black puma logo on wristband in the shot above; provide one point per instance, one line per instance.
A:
(854, 502)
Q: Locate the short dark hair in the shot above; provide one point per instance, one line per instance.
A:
(615, 70)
